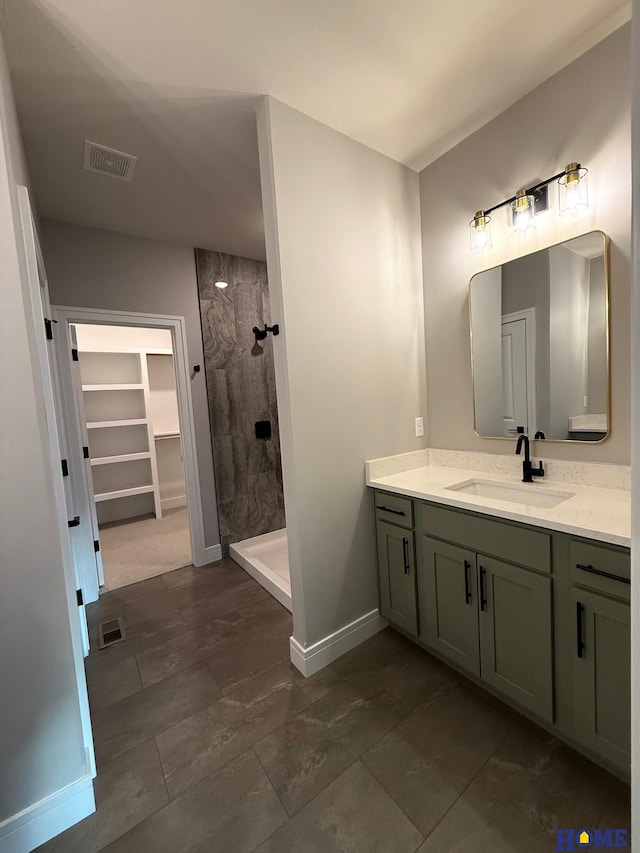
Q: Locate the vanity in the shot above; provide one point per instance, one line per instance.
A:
(527, 601)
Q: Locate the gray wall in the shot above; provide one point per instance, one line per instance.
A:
(91, 268)
(525, 284)
(486, 312)
(343, 252)
(242, 390)
(597, 363)
(583, 112)
(568, 312)
(41, 742)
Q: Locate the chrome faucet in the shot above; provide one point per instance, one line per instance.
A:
(528, 471)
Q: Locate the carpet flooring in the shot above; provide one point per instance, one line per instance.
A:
(134, 551)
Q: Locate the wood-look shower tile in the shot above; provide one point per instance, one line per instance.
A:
(218, 332)
(225, 392)
(229, 453)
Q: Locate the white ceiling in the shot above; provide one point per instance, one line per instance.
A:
(176, 83)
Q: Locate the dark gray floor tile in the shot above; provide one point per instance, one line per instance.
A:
(223, 632)
(532, 786)
(114, 602)
(428, 760)
(112, 681)
(139, 635)
(616, 813)
(229, 812)
(353, 814)
(390, 661)
(131, 721)
(224, 574)
(205, 741)
(312, 749)
(318, 685)
(205, 610)
(128, 790)
(251, 657)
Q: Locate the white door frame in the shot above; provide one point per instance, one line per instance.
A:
(529, 317)
(66, 315)
(37, 280)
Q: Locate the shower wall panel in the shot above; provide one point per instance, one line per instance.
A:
(241, 388)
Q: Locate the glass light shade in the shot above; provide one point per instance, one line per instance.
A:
(523, 209)
(480, 232)
(573, 190)
(222, 284)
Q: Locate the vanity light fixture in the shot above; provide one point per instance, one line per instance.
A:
(572, 198)
(523, 209)
(222, 284)
(480, 231)
(573, 190)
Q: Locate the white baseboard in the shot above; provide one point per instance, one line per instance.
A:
(315, 657)
(173, 503)
(210, 554)
(31, 827)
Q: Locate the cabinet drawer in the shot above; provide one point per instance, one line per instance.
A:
(599, 567)
(510, 542)
(394, 509)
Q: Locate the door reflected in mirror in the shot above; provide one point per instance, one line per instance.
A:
(540, 343)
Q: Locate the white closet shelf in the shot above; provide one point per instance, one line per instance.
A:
(105, 424)
(123, 457)
(125, 493)
(159, 436)
(126, 386)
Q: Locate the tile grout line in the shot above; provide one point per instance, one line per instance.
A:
(471, 781)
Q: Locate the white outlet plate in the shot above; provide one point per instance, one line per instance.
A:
(419, 427)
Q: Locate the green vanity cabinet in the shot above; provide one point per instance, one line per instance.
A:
(397, 576)
(601, 675)
(516, 634)
(491, 618)
(448, 602)
(540, 618)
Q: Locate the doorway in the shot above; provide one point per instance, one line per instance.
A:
(129, 404)
(125, 382)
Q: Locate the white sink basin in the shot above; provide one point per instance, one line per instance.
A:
(528, 494)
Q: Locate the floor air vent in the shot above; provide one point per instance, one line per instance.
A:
(108, 161)
(110, 632)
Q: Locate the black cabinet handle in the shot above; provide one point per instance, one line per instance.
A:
(405, 554)
(467, 584)
(393, 511)
(589, 568)
(483, 600)
(580, 636)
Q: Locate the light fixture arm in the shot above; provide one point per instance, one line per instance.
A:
(530, 191)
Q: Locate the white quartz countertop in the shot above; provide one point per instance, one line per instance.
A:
(593, 512)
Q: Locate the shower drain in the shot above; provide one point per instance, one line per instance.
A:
(110, 633)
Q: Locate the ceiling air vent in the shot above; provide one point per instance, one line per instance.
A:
(108, 161)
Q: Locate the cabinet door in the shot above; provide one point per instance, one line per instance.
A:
(515, 634)
(448, 603)
(397, 577)
(601, 675)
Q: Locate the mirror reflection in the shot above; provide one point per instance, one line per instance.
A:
(539, 343)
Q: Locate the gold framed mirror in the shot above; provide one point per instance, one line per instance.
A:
(540, 343)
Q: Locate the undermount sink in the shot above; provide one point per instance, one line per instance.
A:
(529, 494)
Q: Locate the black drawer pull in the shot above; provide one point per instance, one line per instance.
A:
(467, 584)
(483, 600)
(405, 554)
(394, 511)
(579, 612)
(589, 568)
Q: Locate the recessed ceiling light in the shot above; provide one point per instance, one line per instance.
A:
(222, 284)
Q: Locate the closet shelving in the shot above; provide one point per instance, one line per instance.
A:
(121, 407)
